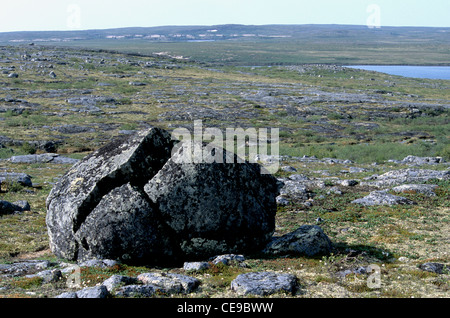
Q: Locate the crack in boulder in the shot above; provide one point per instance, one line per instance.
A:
(133, 200)
(132, 159)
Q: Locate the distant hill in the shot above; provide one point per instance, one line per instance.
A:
(353, 33)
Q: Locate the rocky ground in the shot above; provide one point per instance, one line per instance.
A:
(385, 211)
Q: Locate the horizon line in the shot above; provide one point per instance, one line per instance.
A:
(226, 24)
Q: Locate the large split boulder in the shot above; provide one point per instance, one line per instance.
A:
(88, 185)
(135, 201)
(215, 208)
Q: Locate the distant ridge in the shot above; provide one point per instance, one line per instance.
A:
(233, 32)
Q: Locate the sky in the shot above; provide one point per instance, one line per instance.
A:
(53, 15)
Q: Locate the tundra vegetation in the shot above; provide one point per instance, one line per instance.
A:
(344, 134)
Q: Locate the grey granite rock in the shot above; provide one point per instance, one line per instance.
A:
(382, 198)
(309, 240)
(264, 283)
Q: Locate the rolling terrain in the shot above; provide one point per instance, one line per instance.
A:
(344, 134)
(263, 45)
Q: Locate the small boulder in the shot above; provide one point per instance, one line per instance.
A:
(437, 268)
(9, 208)
(21, 178)
(415, 160)
(382, 198)
(427, 189)
(117, 281)
(309, 240)
(93, 292)
(170, 283)
(264, 283)
(195, 266)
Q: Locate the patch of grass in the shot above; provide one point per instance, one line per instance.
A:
(220, 275)
(27, 282)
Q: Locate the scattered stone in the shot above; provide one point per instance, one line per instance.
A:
(228, 259)
(348, 183)
(43, 158)
(93, 292)
(9, 208)
(137, 84)
(281, 200)
(427, 189)
(406, 176)
(24, 268)
(101, 263)
(418, 161)
(23, 205)
(48, 276)
(437, 268)
(74, 129)
(67, 295)
(357, 170)
(13, 75)
(116, 281)
(295, 190)
(288, 169)
(334, 190)
(137, 291)
(21, 178)
(382, 198)
(196, 266)
(264, 283)
(309, 240)
(357, 270)
(170, 283)
(52, 74)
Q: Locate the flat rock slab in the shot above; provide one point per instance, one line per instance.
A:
(406, 176)
(309, 240)
(427, 189)
(43, 158)
(264, 283)
(170, 283)
(21, 178)
(382, 198)
(89, 292)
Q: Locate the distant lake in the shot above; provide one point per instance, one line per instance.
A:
(431, 72)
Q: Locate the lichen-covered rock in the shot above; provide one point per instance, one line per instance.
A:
(426, 189)
(21, 178)
(382, 198)
(125, 225)
(215, 208)
(264, 283)
(404, 176)
(135, 159)
(170, 283)
(135, 201)
(307, 240)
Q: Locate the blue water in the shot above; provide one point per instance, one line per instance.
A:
(431, 72)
